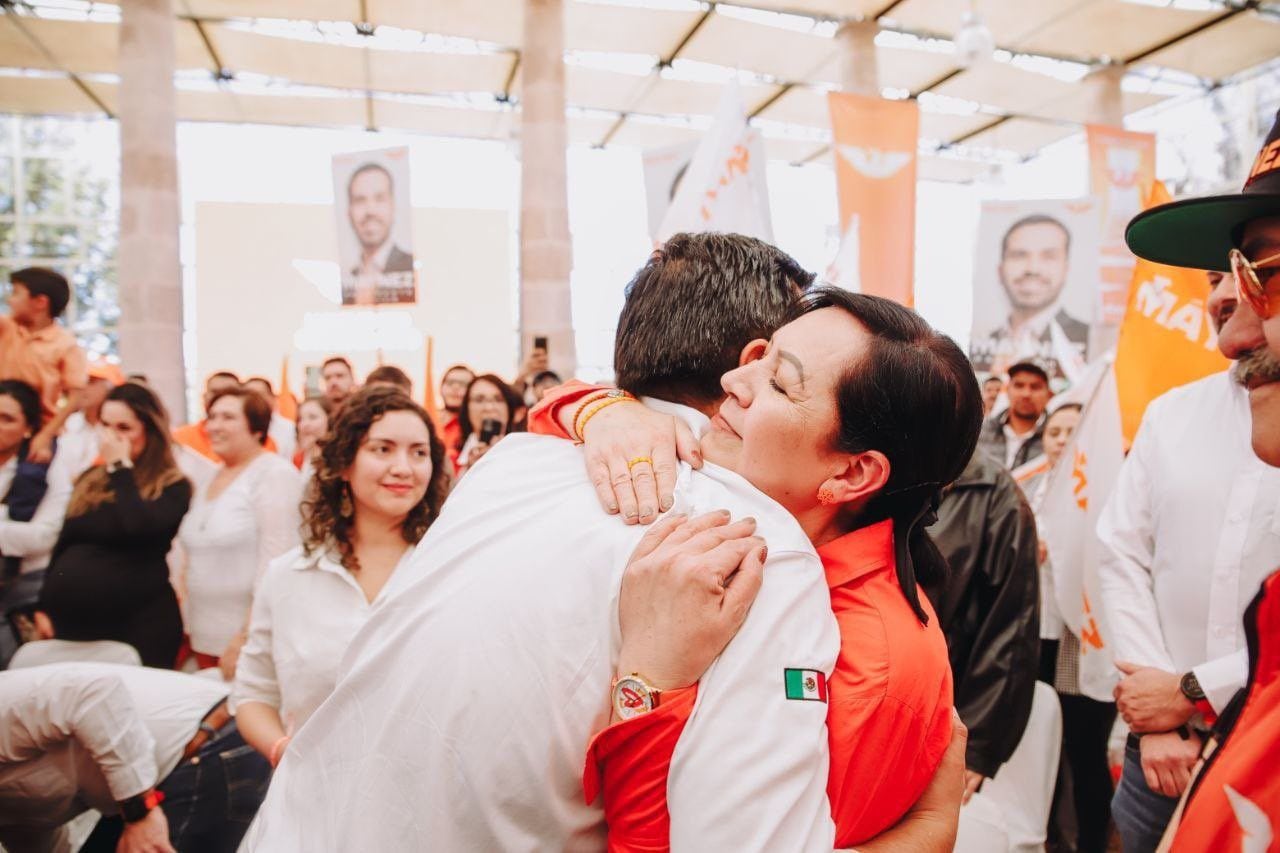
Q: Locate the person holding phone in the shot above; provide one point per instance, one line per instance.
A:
(538, 360)
(490, 409)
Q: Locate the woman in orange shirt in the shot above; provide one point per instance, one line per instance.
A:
(895, 410)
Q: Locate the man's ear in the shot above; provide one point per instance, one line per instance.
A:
(859, 478)
(753, 351)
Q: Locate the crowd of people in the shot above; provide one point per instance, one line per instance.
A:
(823, 618)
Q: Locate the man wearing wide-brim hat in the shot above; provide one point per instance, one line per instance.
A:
(1234, 803)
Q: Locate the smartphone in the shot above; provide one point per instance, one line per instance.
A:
(490, 428)
(540, 342)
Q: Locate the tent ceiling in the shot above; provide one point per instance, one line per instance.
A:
(792, 63)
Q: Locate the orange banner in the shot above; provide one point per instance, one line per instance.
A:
(1122, 167)
(429, 383)
(1167, 338)
(875, 147)
(286, 403)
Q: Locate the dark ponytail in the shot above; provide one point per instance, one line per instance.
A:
(912, 396)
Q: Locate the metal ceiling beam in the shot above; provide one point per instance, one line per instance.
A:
(7, 9)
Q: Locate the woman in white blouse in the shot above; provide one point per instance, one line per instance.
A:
(33, 498)
(243, 519)
(379, 484)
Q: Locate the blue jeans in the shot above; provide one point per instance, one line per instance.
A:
(209, 800)
(1141, 814)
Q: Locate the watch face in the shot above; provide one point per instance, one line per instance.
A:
(1191, 687)
(632, 697)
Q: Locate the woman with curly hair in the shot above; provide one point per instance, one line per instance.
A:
(380, 481)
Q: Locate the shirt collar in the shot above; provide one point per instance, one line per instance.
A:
(696, 421)
(857, 554)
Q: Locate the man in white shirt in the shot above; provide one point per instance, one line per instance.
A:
(156, 748)
(470, 697)
(1189, 533)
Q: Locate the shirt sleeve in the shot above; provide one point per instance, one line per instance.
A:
(276, 496)
(1223, 677)
(256, 679)
(1126, 531)
(39, 711)
(37, 536)
(629, 763)
(749, 771)
(544, 418)
(74, 370)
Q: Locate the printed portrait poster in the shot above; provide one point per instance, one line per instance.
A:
(375, 233)
(1035, 286)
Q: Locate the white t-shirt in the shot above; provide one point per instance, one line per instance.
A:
(463, 714)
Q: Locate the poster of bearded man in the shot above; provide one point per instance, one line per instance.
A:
(1035, 286)
(375, 227)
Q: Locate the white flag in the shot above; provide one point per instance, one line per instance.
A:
(845, 269)
(724, 188)
(1081, 483)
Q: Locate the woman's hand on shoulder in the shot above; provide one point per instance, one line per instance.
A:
(631, 454)
(685, 593)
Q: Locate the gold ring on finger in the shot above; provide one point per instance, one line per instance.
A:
(637, 461)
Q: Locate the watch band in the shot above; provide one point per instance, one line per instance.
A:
(137, 807)
(633, 696)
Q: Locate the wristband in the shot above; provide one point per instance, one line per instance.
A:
(137, 807)
(592, 407)
(277, 750)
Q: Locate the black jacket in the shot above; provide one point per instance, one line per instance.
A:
(992, 441)
(989, 607)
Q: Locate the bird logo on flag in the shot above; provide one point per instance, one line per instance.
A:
(874, 162)
(1253, 821)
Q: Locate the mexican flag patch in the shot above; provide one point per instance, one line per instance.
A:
(805, 684)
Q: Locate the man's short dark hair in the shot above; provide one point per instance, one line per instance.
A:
(42, 281)
(337, 359)
(1034, 219)
(693, 306)
(370, 167)
(222, 374)
(264, 380)
(547, 376)
(389, 374)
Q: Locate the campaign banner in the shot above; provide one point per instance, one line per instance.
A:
(1167, 338)
(1035, 284)
(875, 151)
(375, 227)
(1122, 167)
(1078, 488)
(664, 169)
(724, 187)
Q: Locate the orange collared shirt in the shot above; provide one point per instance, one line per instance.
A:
(890, 695)
(48, 359)
(888, 713)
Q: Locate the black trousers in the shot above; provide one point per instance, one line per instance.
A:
(1081, 816)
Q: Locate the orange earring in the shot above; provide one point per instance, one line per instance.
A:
(826, 496)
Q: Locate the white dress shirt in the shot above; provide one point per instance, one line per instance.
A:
(305, 612)
(230, 540)
(463, 714)
(79, 736)
(33, 540)
(1190, 532)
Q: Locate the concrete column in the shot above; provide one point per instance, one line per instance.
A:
(149, 271)
(859, 74)
(1107, 99)
(546, 250)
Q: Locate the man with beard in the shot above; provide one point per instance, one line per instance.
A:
(384, 270)
(1033, 272)
(453, 390)
(1187, 536)
(1013, 437)
(1235, 801)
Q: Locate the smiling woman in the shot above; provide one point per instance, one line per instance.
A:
(379, 484)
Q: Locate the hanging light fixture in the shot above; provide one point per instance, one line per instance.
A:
(974, 41)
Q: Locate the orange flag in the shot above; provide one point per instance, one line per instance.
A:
(1167, 338)
(429, 383)
(286, 403)
(875, 146)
